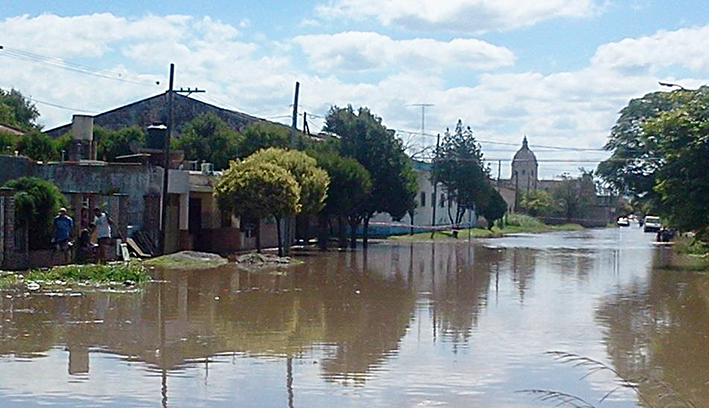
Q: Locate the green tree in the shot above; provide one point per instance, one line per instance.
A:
(36, 203)
(681, 137)
(261, 135)
(538, 203)
(18, 111)
(113, 143)
(350, 186)
(364, 137)
(495, 207)
(38, 146)
(659, 146)
(8, 142)
(259, 189)
(458, 167)
(311, 179)
(208, 138)
(572, 196)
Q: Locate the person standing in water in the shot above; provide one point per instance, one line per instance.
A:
(103, 233)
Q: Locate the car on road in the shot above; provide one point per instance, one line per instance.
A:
(651, 224)
(623, 222)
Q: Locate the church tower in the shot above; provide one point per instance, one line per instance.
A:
(524, 170)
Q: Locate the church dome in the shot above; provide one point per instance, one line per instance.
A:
(524, 154)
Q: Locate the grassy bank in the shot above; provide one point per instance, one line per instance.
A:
(71, 274)
(515, 224)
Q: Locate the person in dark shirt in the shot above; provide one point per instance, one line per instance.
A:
(87, 249)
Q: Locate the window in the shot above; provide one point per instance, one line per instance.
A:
(523, 172)
(423, 199)
(433, 199)
(443, 200)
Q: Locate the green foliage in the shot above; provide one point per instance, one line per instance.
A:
(538, 203)
(114, 143)
(312, 180)
(36, 203)
(208, 138)
(18, 111)
(364, 138)
(120, 272)
(258, 189)
(495, 207)
(350, 183)
(458, 167)
(681, 137)
(38, 146)
(572, 196)
(660, 146)
(261, 135)
(8, 142)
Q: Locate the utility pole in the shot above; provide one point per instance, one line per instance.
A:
(290, 222)
(166, 154)
(499, 166)
(294, 126)
(166, 162)
(435, 190)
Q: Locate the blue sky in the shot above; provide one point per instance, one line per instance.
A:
(555, 70)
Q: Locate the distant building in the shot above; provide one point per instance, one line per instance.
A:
(146, 112)
(11, 129)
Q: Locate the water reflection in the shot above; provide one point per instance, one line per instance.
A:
(658, 331)
(399, 325)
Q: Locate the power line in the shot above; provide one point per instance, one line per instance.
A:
(56, 105)
(61, 64)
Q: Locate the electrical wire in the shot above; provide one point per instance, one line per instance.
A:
(68, 66)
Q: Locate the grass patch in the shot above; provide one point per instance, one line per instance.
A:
(692, 246)
(95, 274)
(515, 224)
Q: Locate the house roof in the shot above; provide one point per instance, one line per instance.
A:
(10, 129)
(152, 110)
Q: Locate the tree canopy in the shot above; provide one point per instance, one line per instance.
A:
(36, 203)
(17, 111)
(114, 143)
(659, 155)
(495, 207)
(458, 167)
(350, 183)
(312, 180)
(364, 138)
(38, 146)
(258, 189)
(208, 138)
(538, 203)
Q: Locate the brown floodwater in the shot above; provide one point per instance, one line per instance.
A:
(402, 324)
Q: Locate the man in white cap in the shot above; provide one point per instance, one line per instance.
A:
(63, 227)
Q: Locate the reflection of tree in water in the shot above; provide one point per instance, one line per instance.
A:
(361, 313)
(660, 332)
(466, 277)
(522, 266)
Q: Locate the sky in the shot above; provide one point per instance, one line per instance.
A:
(556, 71)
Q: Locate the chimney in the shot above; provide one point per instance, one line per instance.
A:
(82, 131)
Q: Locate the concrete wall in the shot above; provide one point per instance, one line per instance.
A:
(14, 167)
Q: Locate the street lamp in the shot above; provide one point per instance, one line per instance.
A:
(671, 85)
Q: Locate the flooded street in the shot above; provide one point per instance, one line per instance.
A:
(403, 324)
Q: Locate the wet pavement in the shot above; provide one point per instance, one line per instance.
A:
(403, 324)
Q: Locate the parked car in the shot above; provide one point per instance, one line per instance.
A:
(652, 223)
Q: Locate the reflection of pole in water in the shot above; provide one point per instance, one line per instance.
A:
(433, 286)
(161, 336)
(289, 381)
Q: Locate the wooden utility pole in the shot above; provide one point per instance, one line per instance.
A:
(166, 163)
(166, 153)
(290, 222)
(435, 190)
(294, 125)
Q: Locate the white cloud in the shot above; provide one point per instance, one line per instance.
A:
(568, 108)
(459, 15)
(356, 51)
(687, 47)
